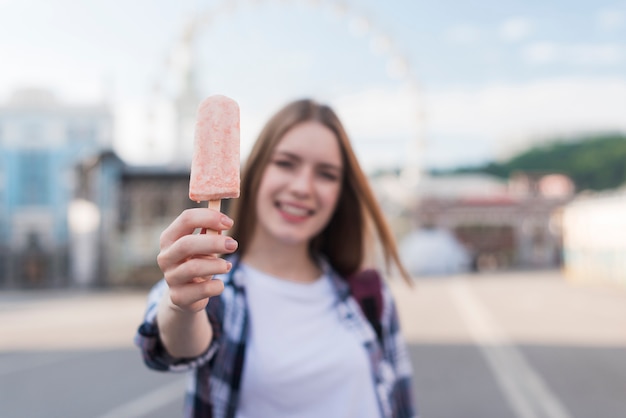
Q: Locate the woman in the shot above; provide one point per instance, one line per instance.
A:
(279, 335)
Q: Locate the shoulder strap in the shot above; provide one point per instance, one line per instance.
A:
(366, 288)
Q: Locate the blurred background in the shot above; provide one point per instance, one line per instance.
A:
(487, 131)
(493, 132)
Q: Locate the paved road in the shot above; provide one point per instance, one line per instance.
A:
(516, 345)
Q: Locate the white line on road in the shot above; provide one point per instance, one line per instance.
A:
(149, 402)
(523, 387)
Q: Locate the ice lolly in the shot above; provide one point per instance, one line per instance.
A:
(215, 163)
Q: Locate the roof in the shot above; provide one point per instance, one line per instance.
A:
(463, 186)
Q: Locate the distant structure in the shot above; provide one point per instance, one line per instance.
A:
(593, 238)
(501, 224)
(41, 141)
(137, 203)
(181, 64)
(187, 97)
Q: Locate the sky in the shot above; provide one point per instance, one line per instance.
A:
(438, 84)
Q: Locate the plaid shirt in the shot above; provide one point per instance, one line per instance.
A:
(216, 374)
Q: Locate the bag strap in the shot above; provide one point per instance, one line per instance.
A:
(366, 288)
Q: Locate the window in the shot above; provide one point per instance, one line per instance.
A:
(31, 132)
(160, 206)
(81, 132)
(34, 171)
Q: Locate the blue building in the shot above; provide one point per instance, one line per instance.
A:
(42, 140)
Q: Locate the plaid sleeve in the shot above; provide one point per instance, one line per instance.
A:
(401, 397)
(147, 338)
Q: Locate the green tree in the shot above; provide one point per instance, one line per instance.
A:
(594, 162)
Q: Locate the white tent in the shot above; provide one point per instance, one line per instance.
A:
(434, 251)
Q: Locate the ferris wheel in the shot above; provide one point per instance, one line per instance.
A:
(181, 65)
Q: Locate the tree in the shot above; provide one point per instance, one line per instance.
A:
(593, 162)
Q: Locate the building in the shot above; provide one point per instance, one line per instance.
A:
(137, 203)
(501, 224)
(593, 238)
(511, 226)
(41, 141)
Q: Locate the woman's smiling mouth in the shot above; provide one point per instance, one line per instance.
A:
(294, 212)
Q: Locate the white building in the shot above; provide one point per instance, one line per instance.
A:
(593, 238)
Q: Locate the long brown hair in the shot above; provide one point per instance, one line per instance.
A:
(344, 240)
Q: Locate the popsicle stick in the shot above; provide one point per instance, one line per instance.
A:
(215, 205)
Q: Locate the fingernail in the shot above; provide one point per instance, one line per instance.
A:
(230, 244)
(226, 221)
(229, 266)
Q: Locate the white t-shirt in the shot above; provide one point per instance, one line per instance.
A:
(300, 361)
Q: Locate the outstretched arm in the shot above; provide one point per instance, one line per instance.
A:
(189, 262)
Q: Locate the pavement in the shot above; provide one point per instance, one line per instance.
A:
(69, 320)
(497, 345)
(524, 345)
(533, 307)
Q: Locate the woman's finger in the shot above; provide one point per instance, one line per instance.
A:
(190, 220)
(190, 246)
(188, 295)
(201, 268)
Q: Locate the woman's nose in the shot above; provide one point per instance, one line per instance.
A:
(302, 182)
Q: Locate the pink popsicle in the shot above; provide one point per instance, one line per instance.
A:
(215, 163)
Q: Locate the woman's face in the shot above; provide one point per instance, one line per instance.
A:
(300, 186)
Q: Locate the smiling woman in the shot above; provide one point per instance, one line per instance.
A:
(276, 329)
(315, 138)
(300, 186)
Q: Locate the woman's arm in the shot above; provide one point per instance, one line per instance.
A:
(184, 334)
(189, 262)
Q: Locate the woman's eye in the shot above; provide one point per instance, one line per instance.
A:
(329, 175)
(284, 163)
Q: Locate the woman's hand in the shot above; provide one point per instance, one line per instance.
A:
(189, 260)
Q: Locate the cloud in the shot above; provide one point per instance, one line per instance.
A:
(609, 20)
(73, 80)
(496, 118)
(596, 54)
(512, 115)
(460, 125)
(463, 34)
(540, 52)
(379, 112)
(515, 29)
(382, 122)
(583, 54)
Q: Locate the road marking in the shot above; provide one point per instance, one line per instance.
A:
(149, 402)
(527, 393)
